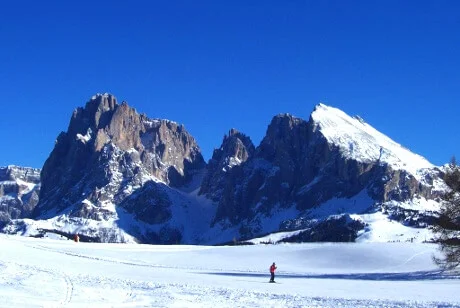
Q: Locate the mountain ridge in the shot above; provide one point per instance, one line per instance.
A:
(117, 175)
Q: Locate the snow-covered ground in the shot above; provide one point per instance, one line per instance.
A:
(53, 273)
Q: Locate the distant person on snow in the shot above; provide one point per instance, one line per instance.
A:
(272, 272)
(76, 238)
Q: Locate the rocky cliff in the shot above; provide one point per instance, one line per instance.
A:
(19, 189)
(236, 149)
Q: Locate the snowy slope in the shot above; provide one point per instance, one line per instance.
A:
(360, 141)
(50, 273)
(191, 215)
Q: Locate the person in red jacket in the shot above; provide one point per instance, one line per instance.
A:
(272, 272)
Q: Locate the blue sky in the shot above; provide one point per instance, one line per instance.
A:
(214, 65)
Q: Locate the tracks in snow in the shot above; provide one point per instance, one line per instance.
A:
(27, 277)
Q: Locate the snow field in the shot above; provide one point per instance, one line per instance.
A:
(52, 273)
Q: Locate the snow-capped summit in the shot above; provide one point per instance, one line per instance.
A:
(304, 171)
(359, 141)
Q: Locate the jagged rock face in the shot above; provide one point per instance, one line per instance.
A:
(399, 185)
(19, 189)
(236, 148)
(170, 153)
(150, 204)
(109, 151)
(289, 157)
(341, 228)
(296, 166)
(13, 173)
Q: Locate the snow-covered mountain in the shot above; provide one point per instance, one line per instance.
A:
(19, 188)
(333, 164)
(116, 175)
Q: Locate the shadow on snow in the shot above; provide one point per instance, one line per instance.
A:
(408, 276)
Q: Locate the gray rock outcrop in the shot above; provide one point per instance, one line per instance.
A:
(236, 149)
(19, 189)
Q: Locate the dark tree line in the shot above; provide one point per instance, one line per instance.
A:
(447, 226)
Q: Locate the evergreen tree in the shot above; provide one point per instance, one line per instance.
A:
(447, 226)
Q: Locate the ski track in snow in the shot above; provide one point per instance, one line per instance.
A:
(26, 273)
(150, 294)
(47, 285)
(187, 295)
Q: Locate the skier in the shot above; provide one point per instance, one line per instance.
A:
(76, 238)
(272, 272)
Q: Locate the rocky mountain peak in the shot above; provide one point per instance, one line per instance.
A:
(236, 145)
(284, 121)
(102, 102)
(111, 145)
(233, 131)
(286, 135)
(96, 114)
(236, 149)
(281, 127)
(304, 164)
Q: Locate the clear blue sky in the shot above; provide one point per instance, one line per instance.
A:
(214, 65)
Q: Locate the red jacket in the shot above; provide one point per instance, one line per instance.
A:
(272, 268)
